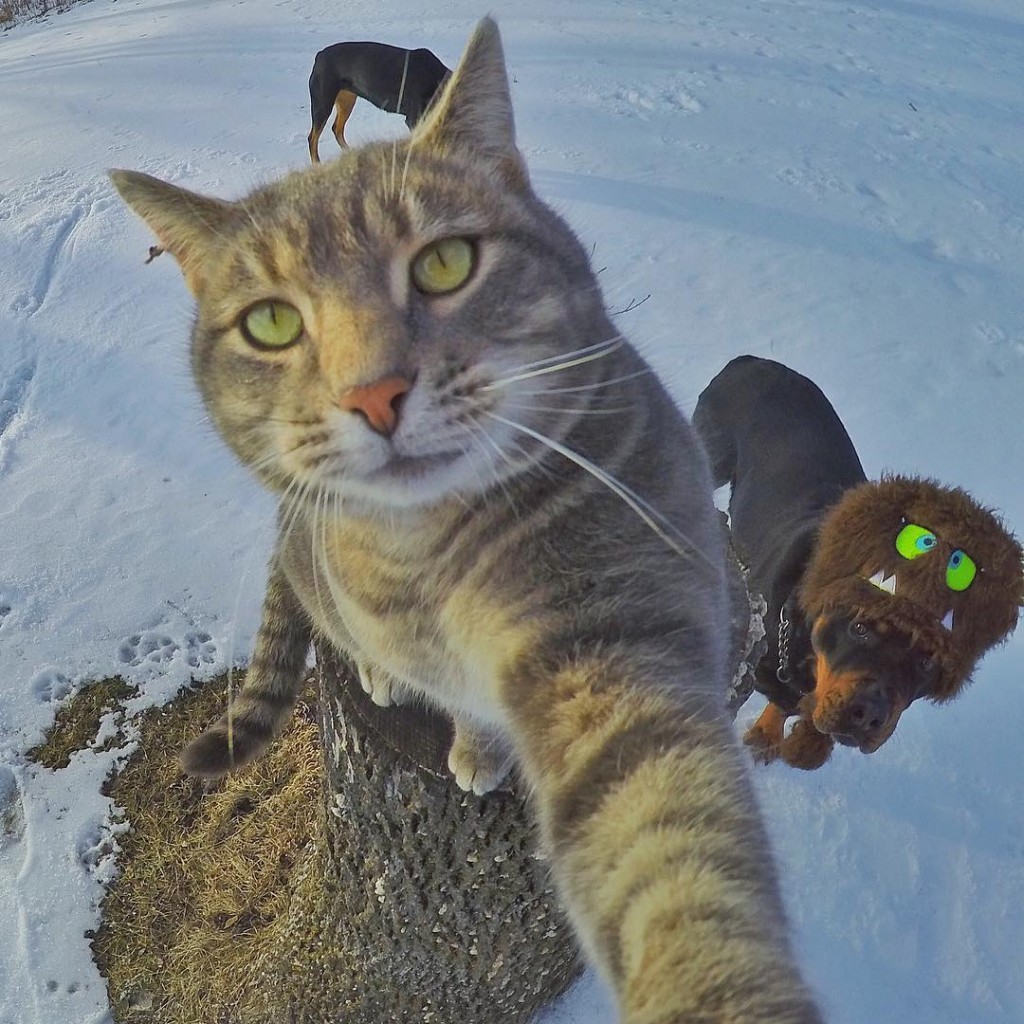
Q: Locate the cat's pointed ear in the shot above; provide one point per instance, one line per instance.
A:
(186, 224)
(473, 115)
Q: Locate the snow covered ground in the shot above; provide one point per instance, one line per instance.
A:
(838, 184)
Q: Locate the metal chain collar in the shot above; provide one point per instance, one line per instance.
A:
(782, 673)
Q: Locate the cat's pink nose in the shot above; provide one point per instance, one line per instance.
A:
(379, 402)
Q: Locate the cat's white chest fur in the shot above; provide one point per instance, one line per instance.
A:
(448, 645)
(420, 653)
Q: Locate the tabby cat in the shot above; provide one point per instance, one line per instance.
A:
(489, 501)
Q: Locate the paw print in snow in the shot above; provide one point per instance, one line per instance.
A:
(152, 647)
(200, 649)
(49, 685)
(53, 987)
(12, 813)
(155, 648)
(97, 847)
(643, 101)
(96, 851)
(997, 338)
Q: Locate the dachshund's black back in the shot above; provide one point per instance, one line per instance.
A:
(773, 435)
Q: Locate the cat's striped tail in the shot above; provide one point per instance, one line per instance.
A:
(264, 704)
(657, 847)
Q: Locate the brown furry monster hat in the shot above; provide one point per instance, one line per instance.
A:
(925, 559)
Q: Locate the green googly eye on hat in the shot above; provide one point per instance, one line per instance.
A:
(913, 541)
(960, 570)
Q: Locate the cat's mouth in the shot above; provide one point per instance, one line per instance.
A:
(408, 467)
(396, 465)
(399, 479)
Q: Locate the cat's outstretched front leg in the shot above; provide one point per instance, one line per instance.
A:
(479, 759)
(655, 841)
(272, 682)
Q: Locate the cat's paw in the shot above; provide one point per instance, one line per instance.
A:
(479, 762)
(219, 750)
(382, 689)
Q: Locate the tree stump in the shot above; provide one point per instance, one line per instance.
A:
(436, 904)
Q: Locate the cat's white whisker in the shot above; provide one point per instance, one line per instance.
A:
(311, 523)
(477, 467)
(560, 356)
(295, 505)
(575, 410)
(558, 367)
(593, 386)
(289, 512)
(398, 107)
(650, 515)
(502, 454)
(405, 168)
(269, 458)
(287, 421)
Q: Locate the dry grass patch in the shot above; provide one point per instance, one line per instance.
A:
(205, 873)
(14, 11)
(78, 722)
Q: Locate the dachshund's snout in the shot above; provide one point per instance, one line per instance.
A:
(866, 712)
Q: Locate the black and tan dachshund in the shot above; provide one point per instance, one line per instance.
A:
(878, 593)
(390, 77)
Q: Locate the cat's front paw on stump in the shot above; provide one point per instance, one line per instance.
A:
(478, 763)
(378, 685)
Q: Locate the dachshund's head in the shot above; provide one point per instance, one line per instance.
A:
(867, 674)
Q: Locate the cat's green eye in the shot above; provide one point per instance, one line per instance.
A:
(913, 541)
(960, 570)
(443, 266)
(271, 324)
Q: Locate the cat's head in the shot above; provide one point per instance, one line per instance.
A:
(371, 327)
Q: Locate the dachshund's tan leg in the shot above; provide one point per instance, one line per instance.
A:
(314, 143)
(805, 747)
(764, 737)
(343, 106)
